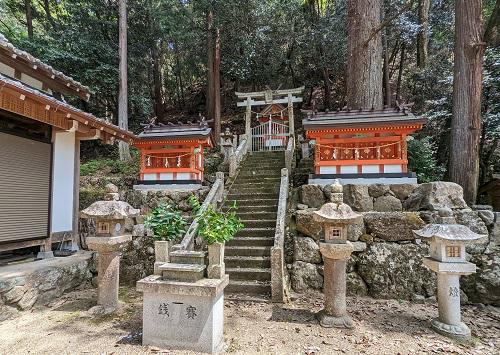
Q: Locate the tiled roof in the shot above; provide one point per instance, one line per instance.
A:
(180, 130)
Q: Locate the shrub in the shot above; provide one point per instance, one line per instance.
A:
(422, 160)
(166, 222)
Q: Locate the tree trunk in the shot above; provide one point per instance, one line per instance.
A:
(328, 90)
(210, 65)
(122, 95)
(157, 82)
(467, 87)
(387, 81)
(364, 50)
(423, 34)
(213, 80)
(400, 73)
(46, 7)
(29, 18)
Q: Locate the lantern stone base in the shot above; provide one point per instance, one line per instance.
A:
(328, 321)
(183, 315)
(459, 331)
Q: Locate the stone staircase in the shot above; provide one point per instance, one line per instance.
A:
(255, 191)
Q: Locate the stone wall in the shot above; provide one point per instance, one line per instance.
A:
(387, 261)
(25, 285)
(138, 257)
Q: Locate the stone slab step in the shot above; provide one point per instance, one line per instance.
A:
(251, 208)
(249, 274)
(188, 257)
(256, 215)
(248, 287)
(257, 173)
(252, 179)
(182, 272)
(256, 232)
(247, 251)
(247, 262)
(273, 165)
(251, 241)
(252, 196)
(259, 223)
(254, 202)
(262, 189)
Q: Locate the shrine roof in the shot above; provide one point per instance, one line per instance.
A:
(360, 118)
(176, 131)
(34, 66)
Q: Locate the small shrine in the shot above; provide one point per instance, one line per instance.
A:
(273, 112)
(361, 147)
(172, 155)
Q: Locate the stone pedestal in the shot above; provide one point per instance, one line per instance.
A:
(449, 322)
(108, 252)
(162, 254)
(334, 313)
(216, 266)
(183, 315)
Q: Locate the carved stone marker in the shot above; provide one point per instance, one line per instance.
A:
(447, 248)
(110, 219)
(335, 249)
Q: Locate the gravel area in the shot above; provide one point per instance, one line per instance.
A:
(382, 327)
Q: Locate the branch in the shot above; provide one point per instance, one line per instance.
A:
(388, 21)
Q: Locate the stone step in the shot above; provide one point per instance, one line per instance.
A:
(247, 261)
(258, 223)
(247, 251)
(255, 196)
(256, 232)
(257, 173)
(243, 189)
(248, 274)
(248, 287)
(182, 272)
(261, 180)
(188, 257)
(251, 241)
(267, 165)
(252, 215)
(262, 202)
(251, 208)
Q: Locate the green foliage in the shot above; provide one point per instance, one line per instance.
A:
(166, 222)
(215, 226)
(105, 166)
(422, 160)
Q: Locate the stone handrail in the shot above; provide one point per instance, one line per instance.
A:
(236, 157)
(214, 196)
(277, 251)
(290, 149)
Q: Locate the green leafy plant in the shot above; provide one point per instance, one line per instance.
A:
(422, 160)
(166, 222)
(215, 226)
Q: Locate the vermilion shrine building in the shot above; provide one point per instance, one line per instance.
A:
(361, 147)
(173, 155)
(40, 137)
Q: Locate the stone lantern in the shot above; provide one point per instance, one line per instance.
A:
(447, 258)
(335, 217)
(227, 144)
(110, 217)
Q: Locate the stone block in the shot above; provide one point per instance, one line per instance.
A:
(305, 276)
(312, 195)
(355, 285)
(471, 219)
(14, 294)
(402, 191)
(387, 204)
(307, 250)
(435, 195)
(28, 300)
(392, 226)
(307, 225)
(138, 230)
(358, 198)
(378, 190)
(359, 246)
(488, 217)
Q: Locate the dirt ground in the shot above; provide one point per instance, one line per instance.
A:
(382, 327)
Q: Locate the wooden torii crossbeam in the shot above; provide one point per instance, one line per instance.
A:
(269, 97)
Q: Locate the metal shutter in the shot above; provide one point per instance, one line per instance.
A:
(24, 188)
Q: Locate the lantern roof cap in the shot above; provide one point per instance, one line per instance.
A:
(448, 232)
(110, 210)
(335, 212)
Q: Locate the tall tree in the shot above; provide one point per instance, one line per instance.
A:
(364, 55)
(123, 90)
(467, 87)
(213, 78)
(29, 17)
(423, 34)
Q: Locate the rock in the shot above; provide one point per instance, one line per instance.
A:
(312, 195)
(138, 230)
(306, 224)
(6, 285)
(378, 190)
(494, 236)
(488, 217)
(333, 193)
(482, 208)
(484, 285)
(305, 276)
(416, 298)
(387, 204)
(471, 219)
(355, 230)
(28, 300)
(392, 270)
(112, 196)
(355, 285)
(463, 298)
(402, 191)
(358, 198)
(307, 250)
(111, 188)
(14, 294)
(367, 238)
(431, 300)
(7, 312)
(392, 226)
(435, 195)
(150, 250)
(359, 246)
(301, 206)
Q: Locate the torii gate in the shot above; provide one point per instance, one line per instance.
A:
(269, 97)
